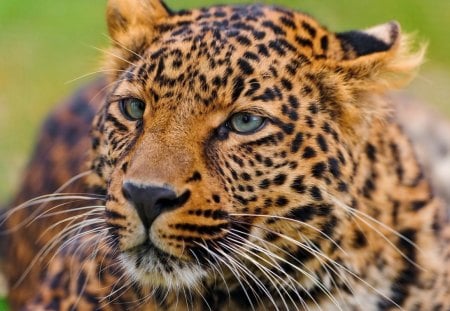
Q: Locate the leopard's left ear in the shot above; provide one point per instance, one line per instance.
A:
(378, 58)
(132, 24)
(128, 18)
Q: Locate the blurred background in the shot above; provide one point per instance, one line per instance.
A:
(46, 45)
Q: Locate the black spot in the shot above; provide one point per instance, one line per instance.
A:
(195, 177)
(276, 29)
(238, 87)
(262, 50)
(259, 35)
(303, 213)
(359, 240)
(277, 47)
(281, 201)
(418, 205)
(318, 169)
(251, 56)
(333, 165)
(321, 141)
(286, 84)
(313, 108)
(245, 66)
(309, 121)
(243, 40)
(324, 42)
(264, 184)
(342, 187)
(216, 198)
(316, 193)
(293, 101)
(298, 185)
(368, 187)
(371, 152)
(246, 176)
(308, 153)
(268, 162)
(311, 30)
(279, 179)
(297, 142)
(288, 22)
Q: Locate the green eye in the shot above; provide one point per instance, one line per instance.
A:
(132, 108)
(246, 123)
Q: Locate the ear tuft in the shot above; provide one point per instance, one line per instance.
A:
(380, 38)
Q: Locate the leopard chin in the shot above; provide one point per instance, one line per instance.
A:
(151, 267)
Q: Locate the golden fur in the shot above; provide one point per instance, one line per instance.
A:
(324, 207)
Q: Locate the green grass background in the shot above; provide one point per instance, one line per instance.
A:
(45, 43)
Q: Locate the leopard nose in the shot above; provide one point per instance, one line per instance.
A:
(152, 201)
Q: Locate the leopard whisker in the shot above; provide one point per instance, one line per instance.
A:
(313, 252)
(115, 290)
(199, 292)
(303, 272)
(73, 238)
(337, 265)
(295, 221)
(69, 233)
(232, 268)
(249, 274)
(108, 85)
(322, 258)
(33, 217)
(36, 258)
(274, 279)
(46, 214)
(216, 267)
(274, 256)
(93, 73)
(359, 215)
(124, 47)
(185, 298)
(92, 210)
(57, 193)
(98, 239)
(327, 268)
(42, 200)
(68, 230)
(112, 54)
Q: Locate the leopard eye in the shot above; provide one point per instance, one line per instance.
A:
(246, 123)
(132, 108)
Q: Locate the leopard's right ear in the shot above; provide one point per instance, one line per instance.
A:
(130, 18)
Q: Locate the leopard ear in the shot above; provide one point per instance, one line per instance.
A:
(371, 62)
(378, 58)
(127, 17)
(377, 39)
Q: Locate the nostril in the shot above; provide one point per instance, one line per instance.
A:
(151, 201)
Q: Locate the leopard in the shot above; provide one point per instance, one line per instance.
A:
(234, 157)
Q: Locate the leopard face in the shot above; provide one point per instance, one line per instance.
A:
(229, 141)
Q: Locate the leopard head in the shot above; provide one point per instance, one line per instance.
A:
(230, 132)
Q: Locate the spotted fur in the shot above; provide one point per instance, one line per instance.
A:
(323, 208)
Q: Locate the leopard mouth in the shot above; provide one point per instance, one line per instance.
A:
(151, 266)
(149, 249)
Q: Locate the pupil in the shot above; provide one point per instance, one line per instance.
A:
(246, 118)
